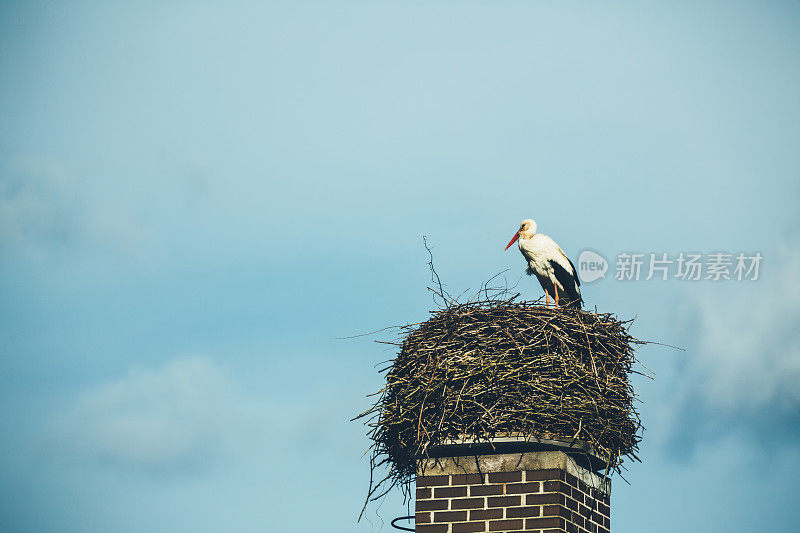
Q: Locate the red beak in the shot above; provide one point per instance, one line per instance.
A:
(516, 236)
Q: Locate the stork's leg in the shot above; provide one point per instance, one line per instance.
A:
(556, 287)
(546, 299)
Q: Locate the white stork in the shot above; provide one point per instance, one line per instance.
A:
(549, 263)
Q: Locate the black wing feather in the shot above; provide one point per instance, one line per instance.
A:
(570, 284)
(575, 272)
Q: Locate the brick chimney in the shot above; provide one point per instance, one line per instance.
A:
(509, 485)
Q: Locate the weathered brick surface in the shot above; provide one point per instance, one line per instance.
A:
(449, 492)
(503, 501)
(545, 501)
(552, 522)
(469, 527)
(431, 505)
(522, 488)
(467, 479)
(506, 525)
(505, 477)
(486, 490)
(486, 514)
(543, 475)
(467, 503)
(432, 528)
(539, 499)
(523, 512)
(427, 481)
(450, 516)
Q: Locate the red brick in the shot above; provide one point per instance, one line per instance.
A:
(422, 518)
(466, 503)
(485, 490)
(430, 481)
(468, 479)
(450, 516)
(551, 497)
(503, 501)
(486, 514)
(431, 528)
(423, 494)
(555, 510)
(542, 475)
(519, 488)
(556, 486)
(523, 512)
(449, 492)
(572, 480)
(504, 525)
(469, 527)
(572, 504)
(538, 523)
(431, 505)
(505, 477)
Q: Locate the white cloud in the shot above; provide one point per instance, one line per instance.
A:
(741, 371)
(47, 206)
(749, 344)
(185, 415)
(35, 204)
(174, 416)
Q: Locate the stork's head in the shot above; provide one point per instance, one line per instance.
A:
(527, 229)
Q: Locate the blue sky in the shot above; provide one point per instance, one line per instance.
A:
(197, 200)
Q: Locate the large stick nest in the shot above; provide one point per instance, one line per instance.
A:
(495, 368)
